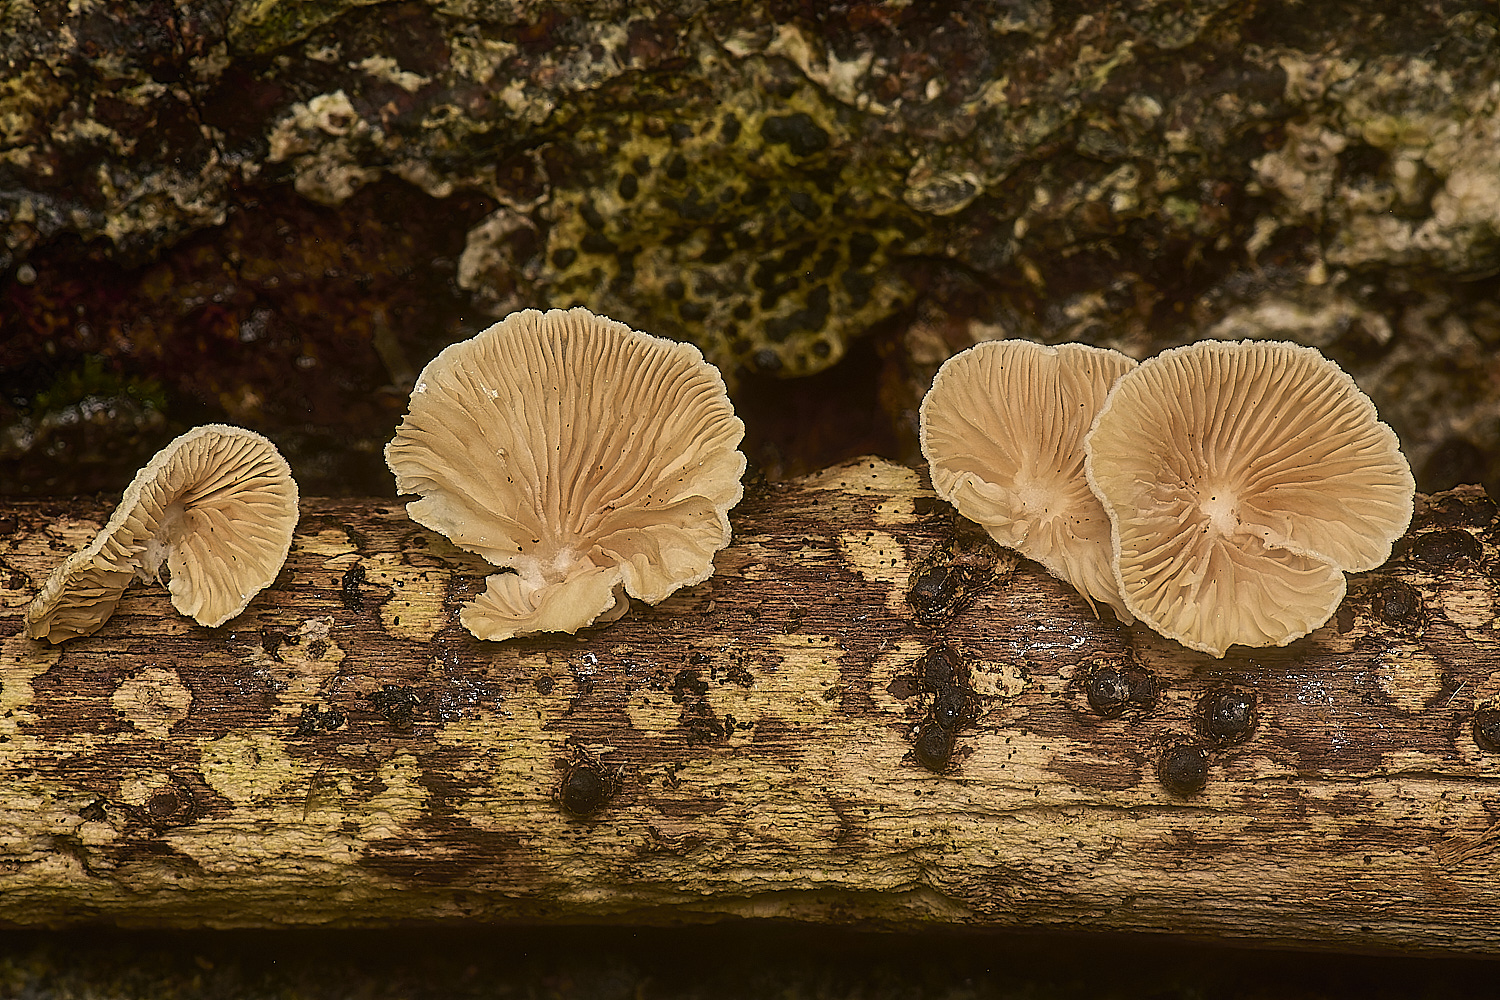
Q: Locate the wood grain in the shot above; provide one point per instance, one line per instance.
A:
(773, 742)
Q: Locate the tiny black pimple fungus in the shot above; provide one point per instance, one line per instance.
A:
(1450, 547)
(933, 748)
(585, 789)
(1487, 729)
(1112, 688)
(1183, 769)
(938, 667)
(1227, 715)
(1398, 604)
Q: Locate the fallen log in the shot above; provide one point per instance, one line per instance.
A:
(869, 714)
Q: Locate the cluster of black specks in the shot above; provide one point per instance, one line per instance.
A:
(947, 579)
(315, 720)
(1487, 729)
(1183, 769)
(1227, 715)
(353, 577)
(1113, 687)
(739, 221)
(398, 704)
(942, 674)
(690, 690)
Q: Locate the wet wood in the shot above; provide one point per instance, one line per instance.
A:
(869, 714)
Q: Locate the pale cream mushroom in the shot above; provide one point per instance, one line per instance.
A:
(583, 457)
(217, 507)
(1002, 429)
(1242, 481)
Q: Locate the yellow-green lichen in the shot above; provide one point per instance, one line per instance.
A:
(741, 221)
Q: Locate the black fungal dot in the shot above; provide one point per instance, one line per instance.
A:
(1183, 770)
(767, 361)
(1111, 689)
(563, 257)
(353, 599)
(1398, 604)
(597, 243)
(804, 204)
(797, 132)
(94, 812)
(1442, 549)
(862, 247)
(933, 748)
(1487, 729)
(629, 187)
(584, 790)
(1227, 715)
(938, 667)
(948, 709)
(543, 684)
(930, 588)
(859, 286)
(756, 193)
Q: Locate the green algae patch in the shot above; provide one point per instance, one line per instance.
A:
(743, 219)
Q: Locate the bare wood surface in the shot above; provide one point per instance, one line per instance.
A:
(763, 744)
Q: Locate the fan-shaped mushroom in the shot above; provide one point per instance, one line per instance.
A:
(1002, 429)
(1242, 480)
(581, 456)
(217, 506)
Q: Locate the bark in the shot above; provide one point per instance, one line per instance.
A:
(779, 741)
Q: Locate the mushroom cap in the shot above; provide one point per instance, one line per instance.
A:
(1242, 480)
(217, 505)
(578, 453)
(1002, 429)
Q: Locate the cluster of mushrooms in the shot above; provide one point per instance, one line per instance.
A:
(1217, 492)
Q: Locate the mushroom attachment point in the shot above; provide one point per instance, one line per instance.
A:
(585, 459)
(1242, 480)
(1002, 429)
(216, 507)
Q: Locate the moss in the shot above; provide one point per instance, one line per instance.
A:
(263, 26)
(91, 380)
(741, 221)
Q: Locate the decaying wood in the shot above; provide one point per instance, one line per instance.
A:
(767, 743)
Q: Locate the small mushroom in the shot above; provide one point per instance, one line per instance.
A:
(217, 507)
(584, 458)
(1002, 429)
(1242, 480)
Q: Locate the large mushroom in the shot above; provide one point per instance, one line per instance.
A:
(1002, 429)
(585, 459)
(216, 507)
(1242, 480)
